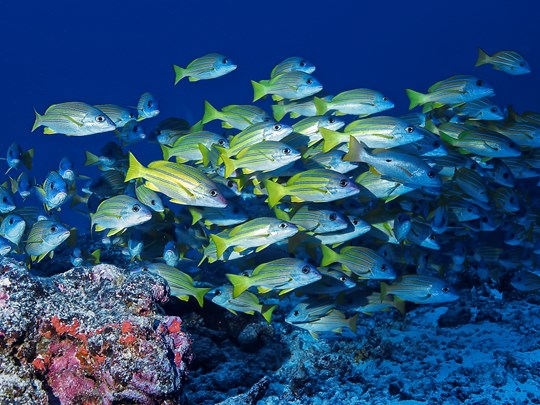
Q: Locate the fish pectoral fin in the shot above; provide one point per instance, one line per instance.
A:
(263, 290)
(79, 124)
(407, 172)
(239, 249)
(48, 131)
(259, 248)
(288, 290)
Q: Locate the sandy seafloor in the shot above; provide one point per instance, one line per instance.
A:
(482, 349)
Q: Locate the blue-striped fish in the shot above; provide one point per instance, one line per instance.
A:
(147, 106)
(54, 191)
(333, 321)
(206, 67)
(361, 261)
(509, 62)
(246, 303)
(301, 108)
(316, 185)
(236, 116)
(283, 275)
(43, 238)
(12, 228)
(292, 86)
(355, 228)
(292, 64)
(149, 198)
(118, 213)
(183, 184)
(454, 90)
(186, 147)
(15, 156)
(232, 214)
(483, 143)
(482, 109)
(319, 219)
(420, 289)
(362, 102)
(262, 131)
(73, 119)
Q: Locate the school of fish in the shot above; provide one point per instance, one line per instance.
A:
(343, 207)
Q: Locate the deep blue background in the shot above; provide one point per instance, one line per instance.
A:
(110, 52)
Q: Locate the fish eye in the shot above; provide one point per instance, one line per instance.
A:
(276, 127)
(213, 193)
(436, 144)
(225, 61)
(4, 199)
(493, 109)
(479, 83)
(384, 267)
(355, 222)
(512, 200)
(445, 290)
(522, 64)
(217, 292)
(303, 63)
(309, 81)
(287, 151)
(344, 182)
(343, 279)
(100, 118)
(54, 228)
(385, 98)
(485, 220)
(410, 130)
(136, 128)
(221, 142)
(152, 202)
(306, 269)
(230, 184)
(136, 208)
(11, 221)
(51, 186)
(431, 174)
(150, 103)
(506, 175)
(432, 237)
(469, 210)
(296, 313)
(131, 115)
(283, 225)
(333, 216)
(331, 120)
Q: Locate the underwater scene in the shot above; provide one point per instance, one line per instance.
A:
(266, 203)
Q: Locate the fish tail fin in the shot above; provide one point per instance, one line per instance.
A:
(278, 110)
(14, 185)
(328, 256)
(199, 295)
(179, 73)
(221, 245)
(240, 283)
(447, 138)
(205, 153)
(483, 58)
(135, 168)
(230, 167)
(195, 214)
(321, 105)
(351, 322)
(166, 152)
(331, 139)
(399, 304)
(384, 290)
(37, 122)
(198, 126)
(416, 98)
(356, 150)
(259, 90)
(267, 312)
(210, 113)
(27, 158)
(96, 254)
(275, 192)
(91, 159)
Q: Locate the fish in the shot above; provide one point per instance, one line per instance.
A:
(228, 216)
(483, 143)
(454, 90)
(319, 219)
(509, 62)
(526, 281)
(209, 66)
(5, 246)
(257, 233)
(12, 228)
(370, 302)
(73, 119)
(120, 116)
(15, 156)
(235, 116)
(246, 302)
(6, 200)
(263, 156)
(316, 185)
(374, 132)
(361, 261)
(481, 109)
(181, 183)
(181, 284)
(256, 133)
(66, 169)
(284, 275)
(420, 289)
(292, 86)
(355, 228)
(292, 64)
(44, 237)
(119, 213)
(361, 102)
(149, 198)
(54, 191)
(304, 107)
(333, 281)
(171, 256)
(23, 185)
(147, 106)
(405, 168)
(333, 321)
(111, 156)
(131, 133)
(135, 245)
(186, 148)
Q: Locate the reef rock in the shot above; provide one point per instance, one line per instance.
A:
(89, 335)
